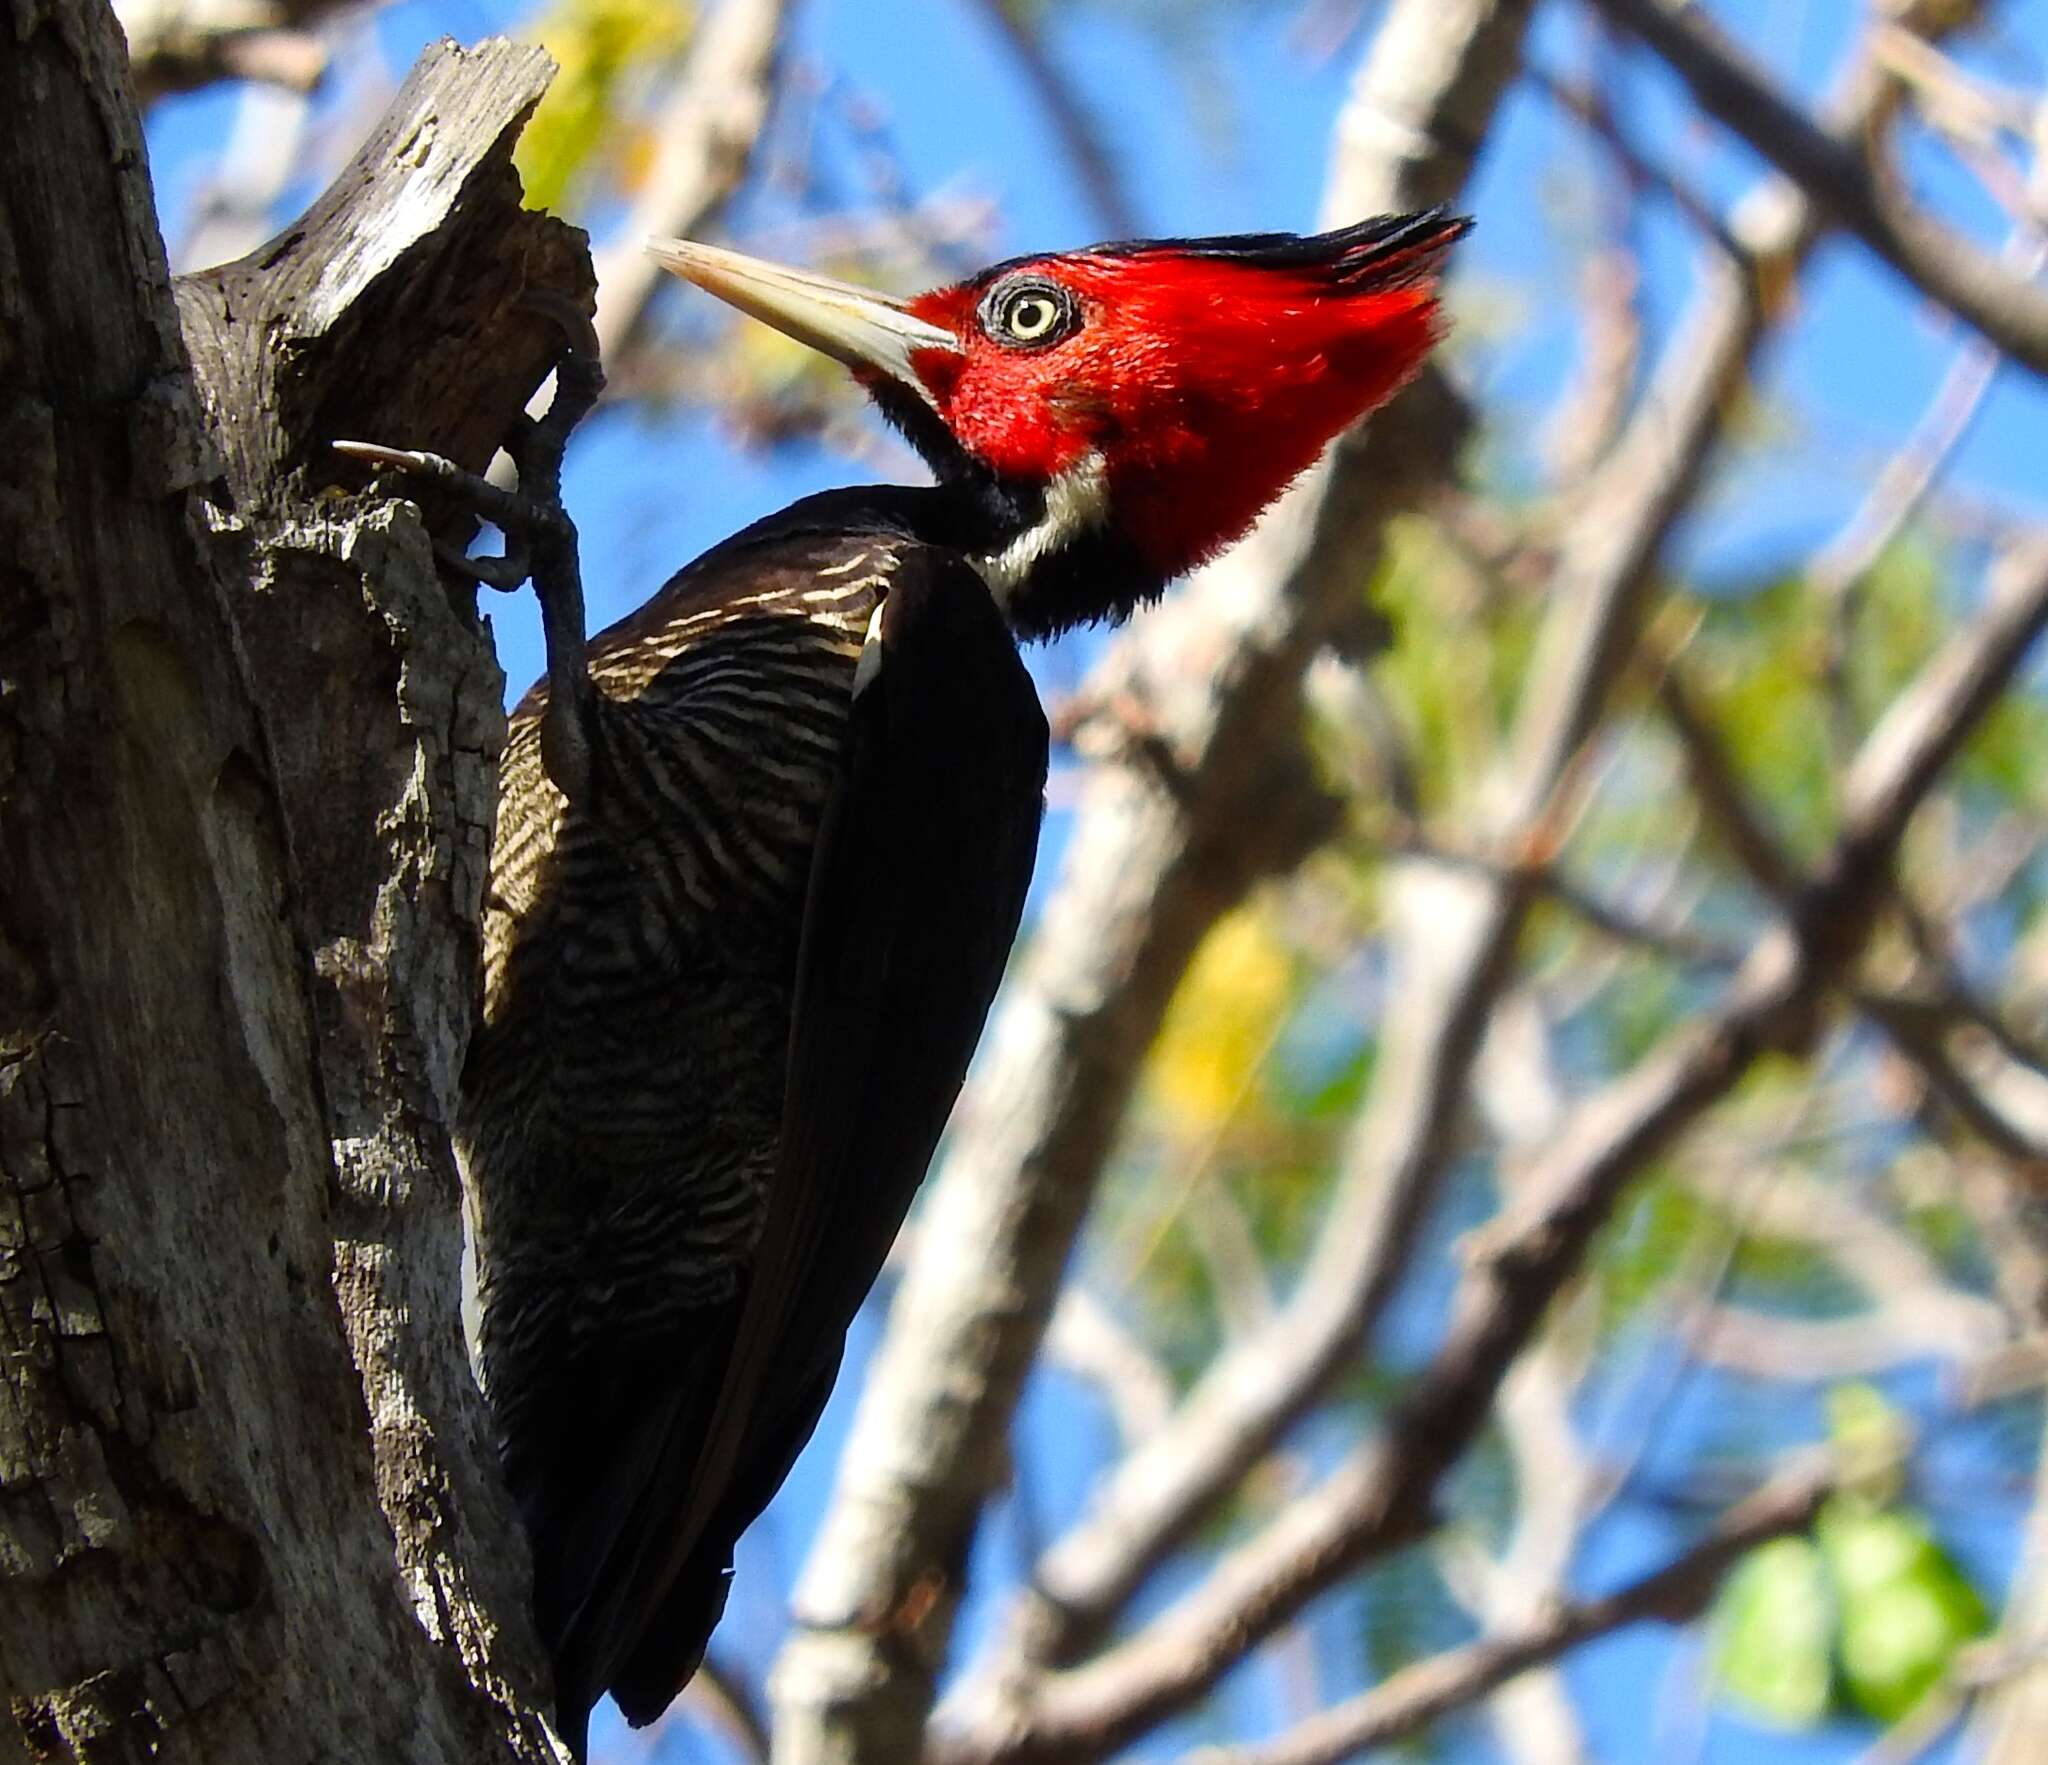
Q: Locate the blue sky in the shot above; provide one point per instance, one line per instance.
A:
(1234, 135)
(1860, 361)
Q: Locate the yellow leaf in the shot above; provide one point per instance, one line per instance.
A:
(603, 49)
(1224, 1017)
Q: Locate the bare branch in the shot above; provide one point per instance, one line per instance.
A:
(1782, 1200)
(1410, 1700)
(1898, 492)
(702, 149)
(1380, 1498)
(176, 45)
(2008, 1214)
(1948, 269)
(1914, 1311)
(1102, 180)
(1720, 791)
(732, 1706)
(1895, 497)
(1556, 1492)
(1590, 107)
(1816, 1351)
(1088, 1339)
(2009, 1721)
(2002, 1100)
(1925, 726)
(1666, 936)
(1920, 1730)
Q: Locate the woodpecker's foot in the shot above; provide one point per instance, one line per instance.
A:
(540, 539)
(514, 514)
(538, 531)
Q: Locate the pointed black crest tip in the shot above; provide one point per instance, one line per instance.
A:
(1400, 247)
(1350, 253)
(1382, 236)
(1392, 251)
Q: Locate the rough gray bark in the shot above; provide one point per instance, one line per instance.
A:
(246, 744)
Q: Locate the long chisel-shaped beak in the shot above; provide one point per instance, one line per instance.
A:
(849, 324)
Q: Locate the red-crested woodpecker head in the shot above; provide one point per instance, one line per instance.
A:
(1120, 414)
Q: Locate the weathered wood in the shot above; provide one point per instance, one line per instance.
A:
(392, 307)
(247, 1511)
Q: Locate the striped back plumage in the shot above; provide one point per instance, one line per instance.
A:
(678, 1193)
(623, 1093)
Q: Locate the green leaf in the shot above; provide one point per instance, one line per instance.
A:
(1762, 660)
(606, 50)
(1644, 1245)
(1870, 1437)
(1906, 1608)
(1774, 1625)
(1457, 661)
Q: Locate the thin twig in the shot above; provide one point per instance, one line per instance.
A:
(1380, 1498)
(178, 45)
(1949, 269)
(1411, 1699)
(1590, 107)
(1664, 937)
(1079, 135)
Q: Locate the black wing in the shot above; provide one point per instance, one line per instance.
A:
(916, 889)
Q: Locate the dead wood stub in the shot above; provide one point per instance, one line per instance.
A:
(246, 784)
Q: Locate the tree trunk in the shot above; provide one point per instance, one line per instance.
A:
(247, 1509)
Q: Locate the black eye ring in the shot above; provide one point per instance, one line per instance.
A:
(1029, 312)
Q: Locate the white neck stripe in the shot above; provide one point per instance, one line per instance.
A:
(1075, 501)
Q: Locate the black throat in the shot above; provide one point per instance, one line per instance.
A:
(1045, 581)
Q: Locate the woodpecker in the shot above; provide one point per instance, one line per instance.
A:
(763, 846)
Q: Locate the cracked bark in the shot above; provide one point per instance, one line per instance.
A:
(246, 781)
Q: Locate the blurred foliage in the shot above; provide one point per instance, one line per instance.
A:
(1764, 657)
(1224, 1019)
(1864, 1618)
(1215, 1136)
(1647, 1239)
(1774, 1628)
(1270, 1042)
(594, 119)
(1761, 664)
(1410, 1614)
(775, 387)
(1460, 649)
(1904, 1606)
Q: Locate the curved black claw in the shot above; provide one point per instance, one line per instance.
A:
(508, 509)
(578, 328)
(532, 517)
(579, 382)
(540, 539)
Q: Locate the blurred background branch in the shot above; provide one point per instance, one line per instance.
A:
(179, 45)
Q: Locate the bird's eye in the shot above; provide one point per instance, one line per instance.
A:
(1030, 315)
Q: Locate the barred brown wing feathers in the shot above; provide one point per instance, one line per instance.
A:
(624, 1094)
(914, 899)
